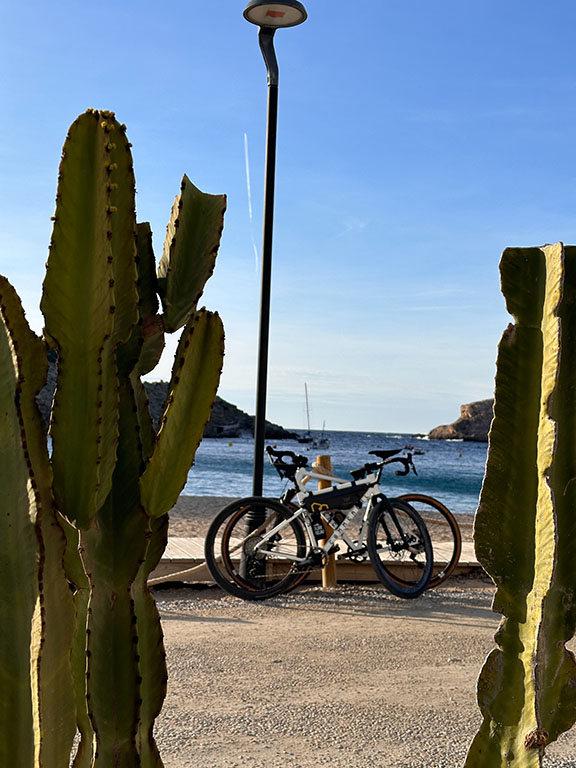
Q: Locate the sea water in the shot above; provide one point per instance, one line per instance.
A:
(450, 470)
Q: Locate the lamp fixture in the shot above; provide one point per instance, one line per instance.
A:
(282, 13)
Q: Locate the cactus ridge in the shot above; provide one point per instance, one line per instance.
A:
(525, 524)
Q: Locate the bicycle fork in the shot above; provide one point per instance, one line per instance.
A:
(402, 540)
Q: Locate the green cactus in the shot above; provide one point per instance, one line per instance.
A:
(36, 612)
(525, 524)
(195, 223)
(150, 645)
(111, 477)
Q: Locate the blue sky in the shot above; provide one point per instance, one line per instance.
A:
(416, 141)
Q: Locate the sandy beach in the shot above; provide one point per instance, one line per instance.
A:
(348, 677)
(193, 514)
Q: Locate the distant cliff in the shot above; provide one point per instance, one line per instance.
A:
(226, 420)
(473, 424)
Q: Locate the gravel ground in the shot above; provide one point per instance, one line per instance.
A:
(348, 677)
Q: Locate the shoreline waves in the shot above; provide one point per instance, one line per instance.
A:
(450, 471)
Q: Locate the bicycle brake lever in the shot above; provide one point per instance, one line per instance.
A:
(406, 462)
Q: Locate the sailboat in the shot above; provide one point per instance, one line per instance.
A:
(322, 441)
(307, 438)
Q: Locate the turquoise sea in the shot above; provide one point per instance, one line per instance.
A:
(450, 470)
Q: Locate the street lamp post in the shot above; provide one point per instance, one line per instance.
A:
(269, 16)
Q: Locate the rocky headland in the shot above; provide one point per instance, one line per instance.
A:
(473, 424)
(226, 420)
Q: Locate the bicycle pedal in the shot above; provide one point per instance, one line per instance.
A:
(315, 558)
(334, 549)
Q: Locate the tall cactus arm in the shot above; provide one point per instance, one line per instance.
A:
(152, 323)
(557, 678)
(193, 387)
(123, 234)
(55, 636)
(525, 527)
(147, 431)
(149, 303)
(112, 552)
(511, 481)
(35, 604)
(190, 249)
(19, 571)
(80, 584)
(95, 192)
(147, 340)
(150, 646)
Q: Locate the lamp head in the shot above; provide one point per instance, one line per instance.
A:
(274, 15)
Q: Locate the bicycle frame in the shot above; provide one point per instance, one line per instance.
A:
(301, 497)
(339, 533)
(303, 474)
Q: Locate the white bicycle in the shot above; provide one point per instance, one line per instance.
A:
(259, 547)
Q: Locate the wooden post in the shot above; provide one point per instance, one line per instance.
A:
(329, 578)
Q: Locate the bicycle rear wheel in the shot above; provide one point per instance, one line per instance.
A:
(241, 557)
(399, 548)
(444, 533)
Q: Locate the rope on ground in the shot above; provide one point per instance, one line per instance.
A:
(170, 576)
(196, 568)
(193, 569)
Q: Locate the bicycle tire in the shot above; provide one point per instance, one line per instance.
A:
(399, 548)
(229, 550)
(444, 533)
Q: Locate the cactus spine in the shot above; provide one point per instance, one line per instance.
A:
(524, 529)
(111, 477)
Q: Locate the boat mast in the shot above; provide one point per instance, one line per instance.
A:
(307, 409)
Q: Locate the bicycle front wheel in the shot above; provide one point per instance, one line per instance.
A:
(399, 548)
(253, 549)
(444, 533)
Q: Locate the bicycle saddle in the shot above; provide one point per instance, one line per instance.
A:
(385, 454)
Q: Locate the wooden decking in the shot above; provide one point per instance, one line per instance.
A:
(183, 561)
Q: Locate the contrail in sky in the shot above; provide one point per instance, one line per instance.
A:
(250, 199)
